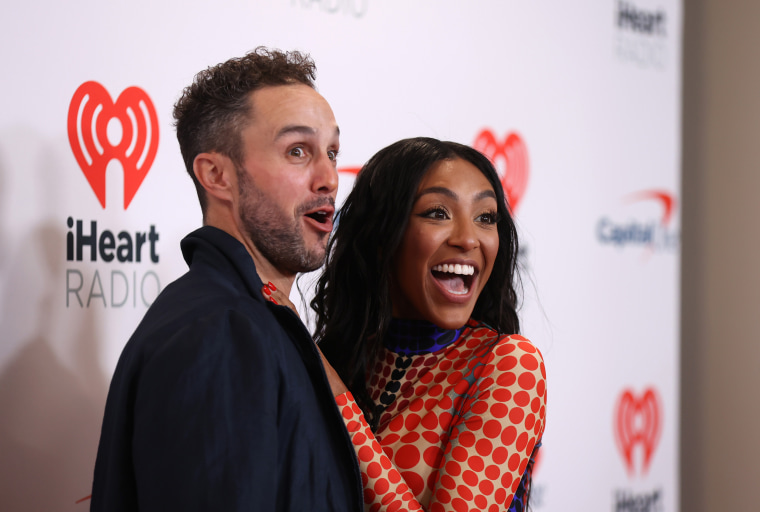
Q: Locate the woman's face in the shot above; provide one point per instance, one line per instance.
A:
(448, 250)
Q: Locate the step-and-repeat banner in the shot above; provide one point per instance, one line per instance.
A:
(578, 105)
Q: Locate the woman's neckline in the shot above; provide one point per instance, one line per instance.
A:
(414, 337)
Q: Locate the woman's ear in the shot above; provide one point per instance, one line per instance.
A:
(216, 174)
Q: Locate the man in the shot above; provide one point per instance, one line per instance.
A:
(219, 400)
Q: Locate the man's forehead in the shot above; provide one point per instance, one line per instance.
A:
(291, 109)
(287, 99)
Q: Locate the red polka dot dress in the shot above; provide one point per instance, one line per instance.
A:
(460, 415)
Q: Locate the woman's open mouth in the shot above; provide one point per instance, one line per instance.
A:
(455, 278)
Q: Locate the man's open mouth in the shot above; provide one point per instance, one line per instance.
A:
(321, 216)
(455, 278)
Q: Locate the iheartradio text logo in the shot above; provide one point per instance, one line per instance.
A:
(510, 157)
(641, 35)
(101, 130)
(638, 424)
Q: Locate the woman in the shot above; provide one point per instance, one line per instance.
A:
(412, 310)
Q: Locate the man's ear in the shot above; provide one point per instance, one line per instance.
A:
(216, 174)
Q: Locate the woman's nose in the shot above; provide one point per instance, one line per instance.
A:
(463, 235)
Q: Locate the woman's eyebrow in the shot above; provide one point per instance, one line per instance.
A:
(438, 190)
(483, 194)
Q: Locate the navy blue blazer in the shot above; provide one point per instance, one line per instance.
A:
(220, 402)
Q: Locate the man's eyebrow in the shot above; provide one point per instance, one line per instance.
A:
(295, 128)
(302, 129)
(483, 194)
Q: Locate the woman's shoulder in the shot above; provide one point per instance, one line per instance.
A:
(507, 351)
(512, 378)
(482, 334)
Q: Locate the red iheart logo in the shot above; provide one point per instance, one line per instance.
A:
(510, 158)
(90, 113)
(638, 422)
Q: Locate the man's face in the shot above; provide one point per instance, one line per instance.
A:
(288, 180)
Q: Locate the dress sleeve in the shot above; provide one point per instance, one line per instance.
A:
(384, 489)
(502, 419)
(499, 418)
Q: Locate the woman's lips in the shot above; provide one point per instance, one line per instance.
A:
(455, 280)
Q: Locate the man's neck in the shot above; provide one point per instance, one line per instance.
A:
(279, 283)
(268, 272)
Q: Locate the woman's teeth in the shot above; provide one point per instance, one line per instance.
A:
(462, 270)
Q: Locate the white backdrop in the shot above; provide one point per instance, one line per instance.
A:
(578, 103)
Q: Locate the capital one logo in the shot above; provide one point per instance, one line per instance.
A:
(638, 423)
(510, 157)
(101, 130)
(655, 233)
(664, 198)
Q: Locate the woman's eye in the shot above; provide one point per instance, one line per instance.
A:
(436, 213)
(487, 218)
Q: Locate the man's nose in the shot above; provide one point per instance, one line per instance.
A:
(325, 175)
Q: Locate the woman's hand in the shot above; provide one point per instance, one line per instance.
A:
(336, 384)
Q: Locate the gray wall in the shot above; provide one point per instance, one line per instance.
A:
(720, 423)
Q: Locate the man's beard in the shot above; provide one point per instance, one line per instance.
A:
(279, 238)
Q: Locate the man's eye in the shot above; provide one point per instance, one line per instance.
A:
(332, 155)
(297, 152)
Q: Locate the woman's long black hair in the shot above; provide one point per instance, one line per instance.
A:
(352, 300)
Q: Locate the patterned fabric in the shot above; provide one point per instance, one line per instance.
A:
(520, 499)
(411, 337)
(458, 427)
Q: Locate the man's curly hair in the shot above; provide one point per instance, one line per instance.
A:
(212, 111)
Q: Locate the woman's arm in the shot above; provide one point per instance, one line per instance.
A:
(500, 409)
